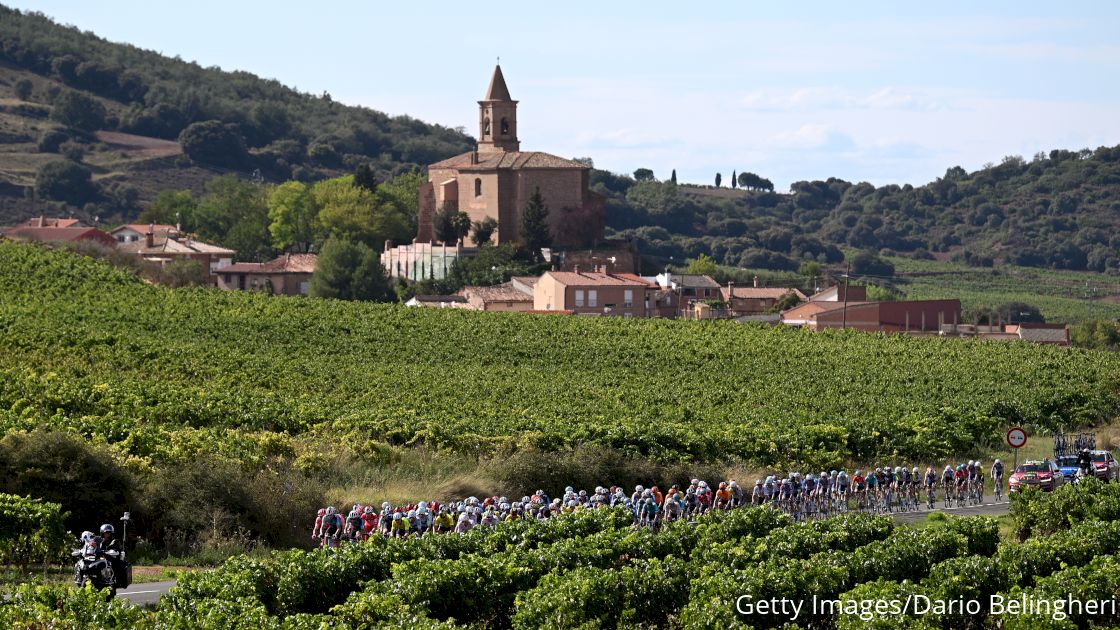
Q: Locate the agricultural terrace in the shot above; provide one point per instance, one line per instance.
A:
(164, 373)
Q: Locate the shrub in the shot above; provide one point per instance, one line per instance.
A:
(64, 180)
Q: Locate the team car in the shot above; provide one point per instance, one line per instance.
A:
(1044, 474)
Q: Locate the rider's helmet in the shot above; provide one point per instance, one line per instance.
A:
(731, 484)
(758, 482)
(331, 511)
(997, 461)
(722, 485)
(397, 516)
(915, 470)
(878, 470)
(368, 510)
(87, 537)
(824, 474)
(107, 529)
(638, 489)
(858, 473)
(322, 511)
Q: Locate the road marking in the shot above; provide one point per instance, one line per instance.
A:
(138, 592)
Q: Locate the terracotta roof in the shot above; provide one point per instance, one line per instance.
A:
(573, 279)
(499, 293)
(498, 90)
(524, 283)
(488, 161)
(436, 299)
(49, 222)
(57, 234)
(288, 263)
(165, 245)
(157, 228)
(763, 293)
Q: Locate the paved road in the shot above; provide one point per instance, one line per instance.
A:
(146, 594)
(987, 509)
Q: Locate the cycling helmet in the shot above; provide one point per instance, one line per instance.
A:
(331, 511)
(997, 461)
(858, 472)
(722, 485)
(758, 482)
(397, 516)
(582, 493)
(368, 510)
(915, 469)
(322, 511)
(731, 484)
(832, 473)
(569, 489)
(638, 489)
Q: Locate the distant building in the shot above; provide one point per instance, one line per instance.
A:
(58, 235)
(756, 300)
(133, 232)
(289, 274)
(42, 221)
(496, 181)
(836, 293)
(166, 247)
(914, 317)
(507, 297)
(1046, 334)
(595, 293)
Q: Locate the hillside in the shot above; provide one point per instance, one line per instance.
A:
(1056, 210)
(89, 348)
(256, 125)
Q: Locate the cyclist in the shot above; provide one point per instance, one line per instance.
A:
(931, 482)
(997, 476)
(331, 528)
(758, 495)
(723, 497)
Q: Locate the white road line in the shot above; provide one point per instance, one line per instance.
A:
(137, 592)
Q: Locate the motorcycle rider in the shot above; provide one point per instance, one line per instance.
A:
(1085, 462)
(109, 543)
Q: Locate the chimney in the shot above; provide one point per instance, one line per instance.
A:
(474, 157)
(756, 282)
(150, 236)
(576, 268)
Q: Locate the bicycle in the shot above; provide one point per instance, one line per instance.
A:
(998, 483)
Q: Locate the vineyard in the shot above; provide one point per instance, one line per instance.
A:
(592, 569)
(166, 374)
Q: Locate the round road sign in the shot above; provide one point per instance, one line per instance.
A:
(1016, 437)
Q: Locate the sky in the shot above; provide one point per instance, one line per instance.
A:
(884, 92)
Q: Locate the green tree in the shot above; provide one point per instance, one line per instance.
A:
(170, 207)
(719, 179)
(24, 87)
(364, 177)
(444, 224)
(702, 265)
(1096, 334)
(734, 180)
(673, 178)
(869, 264)
(63, 180)
(349, 270)
(214, 142)
(644, 175)
(534, 224)
(483, 231)
(234, 213)
(462, 223)
(403, 194)
(810, 269)
(293, 217)
(77, 110)
(356, 214)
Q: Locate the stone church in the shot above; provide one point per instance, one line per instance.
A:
(497, 179)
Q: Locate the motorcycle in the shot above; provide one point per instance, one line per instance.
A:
(92, 565)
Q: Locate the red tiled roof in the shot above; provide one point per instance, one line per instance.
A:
(58, 234)
(508, 160)
(573, 279)
(498, 293)
(52, 222)
(763, 293)
(288, 263)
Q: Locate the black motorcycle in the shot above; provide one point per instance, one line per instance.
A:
(93, 565)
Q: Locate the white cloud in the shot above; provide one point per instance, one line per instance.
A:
(831, 98)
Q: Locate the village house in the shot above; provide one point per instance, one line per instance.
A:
(73, 234)
(506, 297)
(289, 274)
(164, 248)
(592, 293)
(756, 300)
(41, 221)
(437, 301)
(133, 232)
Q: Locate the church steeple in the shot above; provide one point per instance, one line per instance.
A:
(497, 117)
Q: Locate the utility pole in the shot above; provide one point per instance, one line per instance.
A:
(847, 276)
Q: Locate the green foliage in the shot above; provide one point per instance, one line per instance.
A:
(23, 89)
(719, 179)
(868, 264)
(169, 208)
(184, 273)
(703, 265)
(51, 140)
(534, 223)
(293, 215)
(1037, 514)
(108, 356)
(349, 271)
(77, 110)
(234, 214)
(1096, 334)
(215, 143)
(31, 530)
(483, 231)
(645, 175)
(354, 213)
(63, 180)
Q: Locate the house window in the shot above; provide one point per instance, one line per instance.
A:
(478, 187)
(628, 298)
(592, 298)
(579, 298)
(226, 278)
(241, 281)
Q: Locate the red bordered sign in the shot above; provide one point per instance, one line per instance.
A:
(1016, 437)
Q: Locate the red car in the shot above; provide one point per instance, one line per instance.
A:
(1104, 465)
(1041, 474)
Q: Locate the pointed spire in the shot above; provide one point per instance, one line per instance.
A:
(498, 90)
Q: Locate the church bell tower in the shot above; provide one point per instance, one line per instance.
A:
(497, 118)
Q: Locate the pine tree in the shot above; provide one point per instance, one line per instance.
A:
(734, 183)
(673, 178)
(534, 223)
(719, 178)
